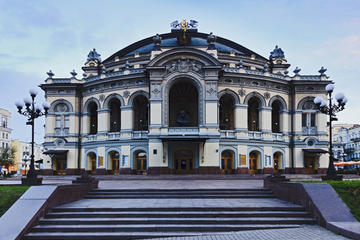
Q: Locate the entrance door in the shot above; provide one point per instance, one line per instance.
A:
(227, 162)
(253, 162)
(310, 164)
(184, 161)
(140, 162)
(93, 166)
(277, 162)
(60, 165)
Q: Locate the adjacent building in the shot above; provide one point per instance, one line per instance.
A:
(185, 102)
(5, 130)
(23, 155)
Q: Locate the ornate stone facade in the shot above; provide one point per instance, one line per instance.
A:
(185, 102)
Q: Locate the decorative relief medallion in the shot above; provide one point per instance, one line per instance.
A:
(126, 94)
(242, 92)
(183, 65)
(267, 95)
(102, 97)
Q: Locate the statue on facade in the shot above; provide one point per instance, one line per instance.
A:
(183, 118)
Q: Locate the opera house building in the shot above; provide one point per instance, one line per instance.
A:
(185, 102)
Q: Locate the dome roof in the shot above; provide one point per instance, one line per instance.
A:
(169, 40)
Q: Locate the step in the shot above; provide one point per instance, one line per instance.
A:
(185, 190)
(151, 228)
(176, 214)
(177, 220)
(135, 235)
(182, 196)
(177, 209)
(177, 193)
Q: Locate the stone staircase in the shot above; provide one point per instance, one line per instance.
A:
(137, 221)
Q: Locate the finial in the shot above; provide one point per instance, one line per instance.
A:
(297, 70)
(286, 72)
(50, 74)
(241, 63)
(322, 71)
(266, 67)
(157, 41)
(211, 40)
(277, 53)
(73, 73)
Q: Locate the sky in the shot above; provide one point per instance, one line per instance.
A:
(39, 35)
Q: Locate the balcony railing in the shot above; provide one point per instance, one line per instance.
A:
(278, 137)
(255, 135)
(61, 131)
(355, 139)
(92, 137)
(113, 135)
(227, 133)
(140, 134)
(183, 130)
(309, 130)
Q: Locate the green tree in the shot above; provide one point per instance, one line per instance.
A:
(7, 156)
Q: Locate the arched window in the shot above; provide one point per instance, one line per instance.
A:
(226, 112)
(253, 114)
(141, 113)
(183, 105)
(115, 115)
(93, 118)
(276, 108)
(62, 119)
(308, 117)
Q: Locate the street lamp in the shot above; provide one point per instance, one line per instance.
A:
(32, 111)
(331, 110)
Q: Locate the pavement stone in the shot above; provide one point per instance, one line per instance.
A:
(305, 232)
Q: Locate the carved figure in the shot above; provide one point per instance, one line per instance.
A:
(183, 118)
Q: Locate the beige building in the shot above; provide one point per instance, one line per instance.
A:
(5, 130)
(23, 153)
(185, 102)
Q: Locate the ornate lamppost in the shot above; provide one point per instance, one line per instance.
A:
(331, 109)
(32, 111)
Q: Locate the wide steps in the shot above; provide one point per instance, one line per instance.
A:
(133, 221)
(136, 235)
(178, 193)
(177, 214)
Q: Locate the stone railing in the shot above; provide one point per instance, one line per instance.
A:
(61, 131)
(113, 135)
(255, 135)
(278, 137)
(140, 134)
(309, 131)
(183, 130)
(227, 133)
(92, 137)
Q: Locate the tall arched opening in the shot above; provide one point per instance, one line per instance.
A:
(226, 112)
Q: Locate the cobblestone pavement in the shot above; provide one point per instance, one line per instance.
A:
(305, 232)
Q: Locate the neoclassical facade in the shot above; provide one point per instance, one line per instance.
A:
(185, 102)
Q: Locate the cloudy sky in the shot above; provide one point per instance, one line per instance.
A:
(39, 35)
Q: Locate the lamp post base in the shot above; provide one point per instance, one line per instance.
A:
(332, 178)
(31, 181)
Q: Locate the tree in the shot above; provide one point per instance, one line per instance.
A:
(7, 156)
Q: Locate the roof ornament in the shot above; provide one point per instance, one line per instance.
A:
(50, 74)
(157, 41)
(93, 55)
(266, 67)
(127, 64)
(73, 73)
(286, 72)
(322, 71)
(277, 53)
(241, 63)
(184, 24)
(211, 39)
(297, 70)
(103, 69)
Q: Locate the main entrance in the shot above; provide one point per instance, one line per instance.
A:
(140, 162)
(310, 163)
(59, 162)
(183, 161)
(227, 162)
